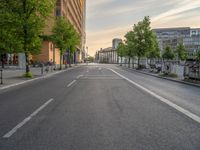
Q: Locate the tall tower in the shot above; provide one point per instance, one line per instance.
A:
(116, 42)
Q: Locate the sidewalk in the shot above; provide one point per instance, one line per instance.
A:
(147, 72)
(13, 77)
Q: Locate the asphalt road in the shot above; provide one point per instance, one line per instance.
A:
(93, 108)
(184, 95)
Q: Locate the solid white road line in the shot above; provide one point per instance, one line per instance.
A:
(78, 77)
(11, 132)
(70, 84)
(168, 102)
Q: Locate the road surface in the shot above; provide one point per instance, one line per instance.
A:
(100, 107)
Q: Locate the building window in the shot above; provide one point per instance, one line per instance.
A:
(58, 12)
(193, 32)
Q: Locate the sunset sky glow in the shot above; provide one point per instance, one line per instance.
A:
(108, 19)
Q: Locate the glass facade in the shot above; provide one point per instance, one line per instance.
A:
(173, 36)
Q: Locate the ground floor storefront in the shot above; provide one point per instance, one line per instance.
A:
(49, 54)
(15, 60)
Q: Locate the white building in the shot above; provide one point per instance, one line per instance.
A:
(109, 55)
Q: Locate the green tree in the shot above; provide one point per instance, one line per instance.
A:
(131, 50)
(121, 51)
(9, 42)
(65, 37)
(61, 35)
(168, 54)
(74, 41)
(142, 38)
(28, 18)
(154, 51)
(181, 52)
(90, 59)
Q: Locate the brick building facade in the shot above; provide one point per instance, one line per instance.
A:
(73, 11)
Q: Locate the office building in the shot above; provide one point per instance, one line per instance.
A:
(75, 12)
(190, 37)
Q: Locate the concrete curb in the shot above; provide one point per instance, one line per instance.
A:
(38, 78)
(170, 79)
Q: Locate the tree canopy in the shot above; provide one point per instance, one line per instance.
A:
(168, 54)
(131, 49)
(24, 21)
(154, 51)
(141, 41)
(181, 52)
(121, 50)
(65, 37)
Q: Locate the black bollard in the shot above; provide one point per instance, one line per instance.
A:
(42, 69)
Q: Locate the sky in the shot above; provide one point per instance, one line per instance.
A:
(108, 19)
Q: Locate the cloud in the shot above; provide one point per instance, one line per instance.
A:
(107, 19)
(94, 5)
(186, 18)
(103, 38)
(97, 3)
(180, 9)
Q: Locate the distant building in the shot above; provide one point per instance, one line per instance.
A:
(190, 37)
(109, 55)
(192, 43)
(106, 55)
(116, 42)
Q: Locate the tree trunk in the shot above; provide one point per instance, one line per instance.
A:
(61, 55)
(121, 62)
(3, 65)
(25, 40)
(27, 62)
(129, 62)
(117, 59)
(133, 63)
(138, 62)
(54, 54)
(74, 55)
(2, 61)
(70, 63)
(70, 59)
